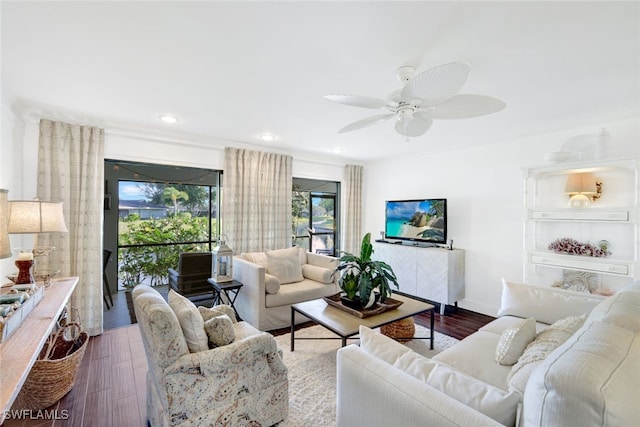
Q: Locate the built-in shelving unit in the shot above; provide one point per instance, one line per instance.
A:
(615, 217)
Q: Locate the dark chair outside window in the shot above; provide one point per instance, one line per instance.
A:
(190, 278)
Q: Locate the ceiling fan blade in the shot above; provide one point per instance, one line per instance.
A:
(437, 84)
(466, 106)
(413, 126)
(366, 122)
(361, 101)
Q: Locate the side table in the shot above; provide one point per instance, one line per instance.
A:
(230, 290)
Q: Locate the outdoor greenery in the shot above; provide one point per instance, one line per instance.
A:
(154, 258)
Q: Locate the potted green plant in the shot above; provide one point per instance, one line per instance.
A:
(361, 276)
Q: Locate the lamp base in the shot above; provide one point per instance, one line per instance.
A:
(579, 201)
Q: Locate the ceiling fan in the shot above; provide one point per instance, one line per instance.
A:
(425, 96)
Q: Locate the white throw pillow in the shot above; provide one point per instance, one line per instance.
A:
(271, 284)
(259, 258)
(381, 346)
(544, 343)
(285, 265)
(319, 274)
(493, 402)
(190, 320)
(220, 331)
(514, 340)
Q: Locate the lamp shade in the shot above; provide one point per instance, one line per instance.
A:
(581, 183)
(34, 216)
(5, 248)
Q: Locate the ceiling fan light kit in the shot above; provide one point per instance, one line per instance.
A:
(426, 96)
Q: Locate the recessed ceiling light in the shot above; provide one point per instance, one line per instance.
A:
(337, 150)
(167, 118)
(267, 137)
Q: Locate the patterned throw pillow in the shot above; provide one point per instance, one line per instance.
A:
(544, 343)
(579, 281)
(220, 331)
(514, 340)
(217, 310)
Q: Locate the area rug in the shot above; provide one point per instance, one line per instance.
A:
(312, 373)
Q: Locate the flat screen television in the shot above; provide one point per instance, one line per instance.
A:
(420, 220)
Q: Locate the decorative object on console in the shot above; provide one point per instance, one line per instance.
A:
(5, 247)
(579, 281)
(222, 261)
(573, 247)
(24, 263)
(583, 188)
(360, 275)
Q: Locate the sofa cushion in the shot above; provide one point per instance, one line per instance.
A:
(285, 265)
(546, 305)
(298, 292)
(475, 356)
(495, 403)
(219, 330)
(514, 340)
(271, 284)
(415, 365)
(381, 346)
(259, 258)
(606, 360)
(319, 274)
(621, 309)
(543, 344)
(190, 320)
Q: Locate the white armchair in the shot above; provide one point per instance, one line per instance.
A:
(242, 383)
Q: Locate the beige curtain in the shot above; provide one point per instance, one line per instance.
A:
(256, 201)
(353, 208)
(71, 170)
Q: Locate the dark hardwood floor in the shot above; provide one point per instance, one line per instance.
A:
(110, 387)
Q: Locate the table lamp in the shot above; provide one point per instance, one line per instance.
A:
(34, 217)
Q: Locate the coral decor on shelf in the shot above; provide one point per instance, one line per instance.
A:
(573, 247)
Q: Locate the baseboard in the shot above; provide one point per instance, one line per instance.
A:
(478, 307)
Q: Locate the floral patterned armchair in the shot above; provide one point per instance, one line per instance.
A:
(243, 383)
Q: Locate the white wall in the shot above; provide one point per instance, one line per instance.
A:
(484, 188)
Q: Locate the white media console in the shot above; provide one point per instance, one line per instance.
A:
(435, 274)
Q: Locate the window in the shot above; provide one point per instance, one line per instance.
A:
(315, 215)
(153, 213)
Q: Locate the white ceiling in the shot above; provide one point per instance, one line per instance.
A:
(233, 70)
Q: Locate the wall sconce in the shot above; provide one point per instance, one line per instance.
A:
(5, 247)
(582, 188)
(222, 260)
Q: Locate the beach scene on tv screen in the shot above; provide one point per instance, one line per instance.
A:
(422, 220)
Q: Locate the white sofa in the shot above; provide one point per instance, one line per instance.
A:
(591, 379)
(269, 290)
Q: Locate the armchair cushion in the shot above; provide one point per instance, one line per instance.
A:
(319, 274)
(285, 265)
(220, 331)
(190, 320)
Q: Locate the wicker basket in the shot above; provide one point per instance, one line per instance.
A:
(53, 374)
(402, 330)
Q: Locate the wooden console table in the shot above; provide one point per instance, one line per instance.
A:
(20, 351)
